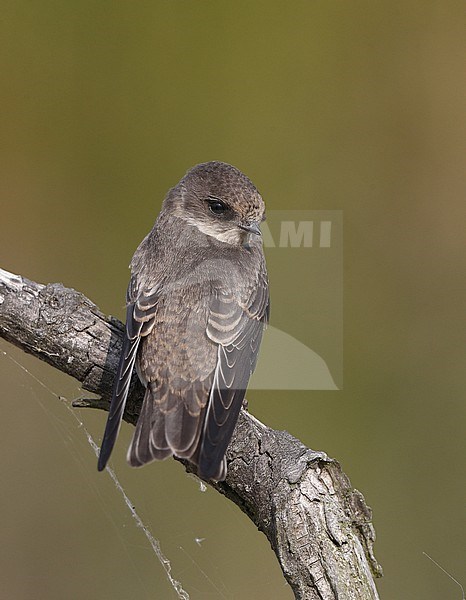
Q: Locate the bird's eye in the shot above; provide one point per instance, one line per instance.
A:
(217, 206)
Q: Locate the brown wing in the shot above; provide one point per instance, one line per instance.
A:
(237, 329)
(177, 362)
(139, 322)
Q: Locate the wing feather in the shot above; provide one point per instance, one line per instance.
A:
(138, 324)
(237, 328)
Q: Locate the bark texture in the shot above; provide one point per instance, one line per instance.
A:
(318, 525)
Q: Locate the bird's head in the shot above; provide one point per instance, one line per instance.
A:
(220, 201)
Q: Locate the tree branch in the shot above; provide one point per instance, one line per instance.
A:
(318, 525)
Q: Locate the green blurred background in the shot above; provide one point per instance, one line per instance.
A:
(355, 106)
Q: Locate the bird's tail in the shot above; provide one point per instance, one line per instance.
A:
(167, 425)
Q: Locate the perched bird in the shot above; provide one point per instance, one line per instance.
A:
(197, 304)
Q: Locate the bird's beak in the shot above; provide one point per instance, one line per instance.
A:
(252, 227)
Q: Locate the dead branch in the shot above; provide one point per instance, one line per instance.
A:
(317, 524)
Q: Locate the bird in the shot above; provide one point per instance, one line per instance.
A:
(197, 305)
